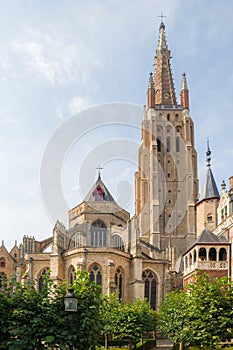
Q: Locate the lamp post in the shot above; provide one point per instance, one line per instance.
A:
(71, 303)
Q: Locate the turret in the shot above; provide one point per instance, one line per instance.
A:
(184, 93)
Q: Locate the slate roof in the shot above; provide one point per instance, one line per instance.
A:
(209, 237)
(209, 189)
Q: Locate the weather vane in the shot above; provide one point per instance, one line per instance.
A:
(161, 16)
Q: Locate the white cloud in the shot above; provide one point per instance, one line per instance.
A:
(78, 104)
(52, 58)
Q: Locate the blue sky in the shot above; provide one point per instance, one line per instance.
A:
(61, 57)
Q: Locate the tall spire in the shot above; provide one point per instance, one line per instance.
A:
(209, 189)
(163, 81)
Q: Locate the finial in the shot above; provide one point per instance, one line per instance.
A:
(99, 168)
(144, 113)
(161, 23)
(223, 185)
(208, 153)
(184, 85)
(151, 81)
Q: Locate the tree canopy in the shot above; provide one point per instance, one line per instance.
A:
(202, 315)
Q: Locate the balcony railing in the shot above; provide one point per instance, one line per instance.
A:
(206, 265)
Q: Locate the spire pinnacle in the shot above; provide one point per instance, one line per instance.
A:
(151, 81)
(163, 80)
(208, 154)
(184, 85)
(99, 169)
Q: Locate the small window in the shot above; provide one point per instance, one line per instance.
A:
(209, 218)
(2, 262)
(168, 117)
(119, 282)
(158, 145)
(177, 144)
(168, 144)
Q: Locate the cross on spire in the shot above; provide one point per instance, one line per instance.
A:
(161, 16)
(99, 168)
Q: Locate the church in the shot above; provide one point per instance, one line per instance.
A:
(173, 232)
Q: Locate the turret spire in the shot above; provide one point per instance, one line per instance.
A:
(151, 92)
(209, 189)
(163, 81)
(184, 93)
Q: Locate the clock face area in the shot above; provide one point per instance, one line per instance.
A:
(166, 95)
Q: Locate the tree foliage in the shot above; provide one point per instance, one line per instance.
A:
(32, 319)
(201, 316)
(128, 321)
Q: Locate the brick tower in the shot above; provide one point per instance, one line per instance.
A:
(166, 183)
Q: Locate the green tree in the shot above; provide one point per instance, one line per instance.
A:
(210, 311)
(37, 320)
(173, 317)
(202, 316)
(128, 321)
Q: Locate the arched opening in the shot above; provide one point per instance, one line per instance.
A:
(150, 287)
(119, 282)
(202, 254)
(96, 274)
(98, 233)
(222, 254)
(209, 217)
(190, 259)
(118, 242)
(212, 254)
(195, 256)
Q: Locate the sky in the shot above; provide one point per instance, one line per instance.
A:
(66, 67)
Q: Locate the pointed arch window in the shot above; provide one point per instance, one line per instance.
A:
(98, 233)
(119, 282)
(150, 287)
(2, 262)
(118, 242)
(76, 240)
(41, 281)
(71, 275)
(96, 274)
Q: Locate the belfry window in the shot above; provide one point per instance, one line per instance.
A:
(150, 287)
(119, 282)
(96, 274)
(98, 233)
